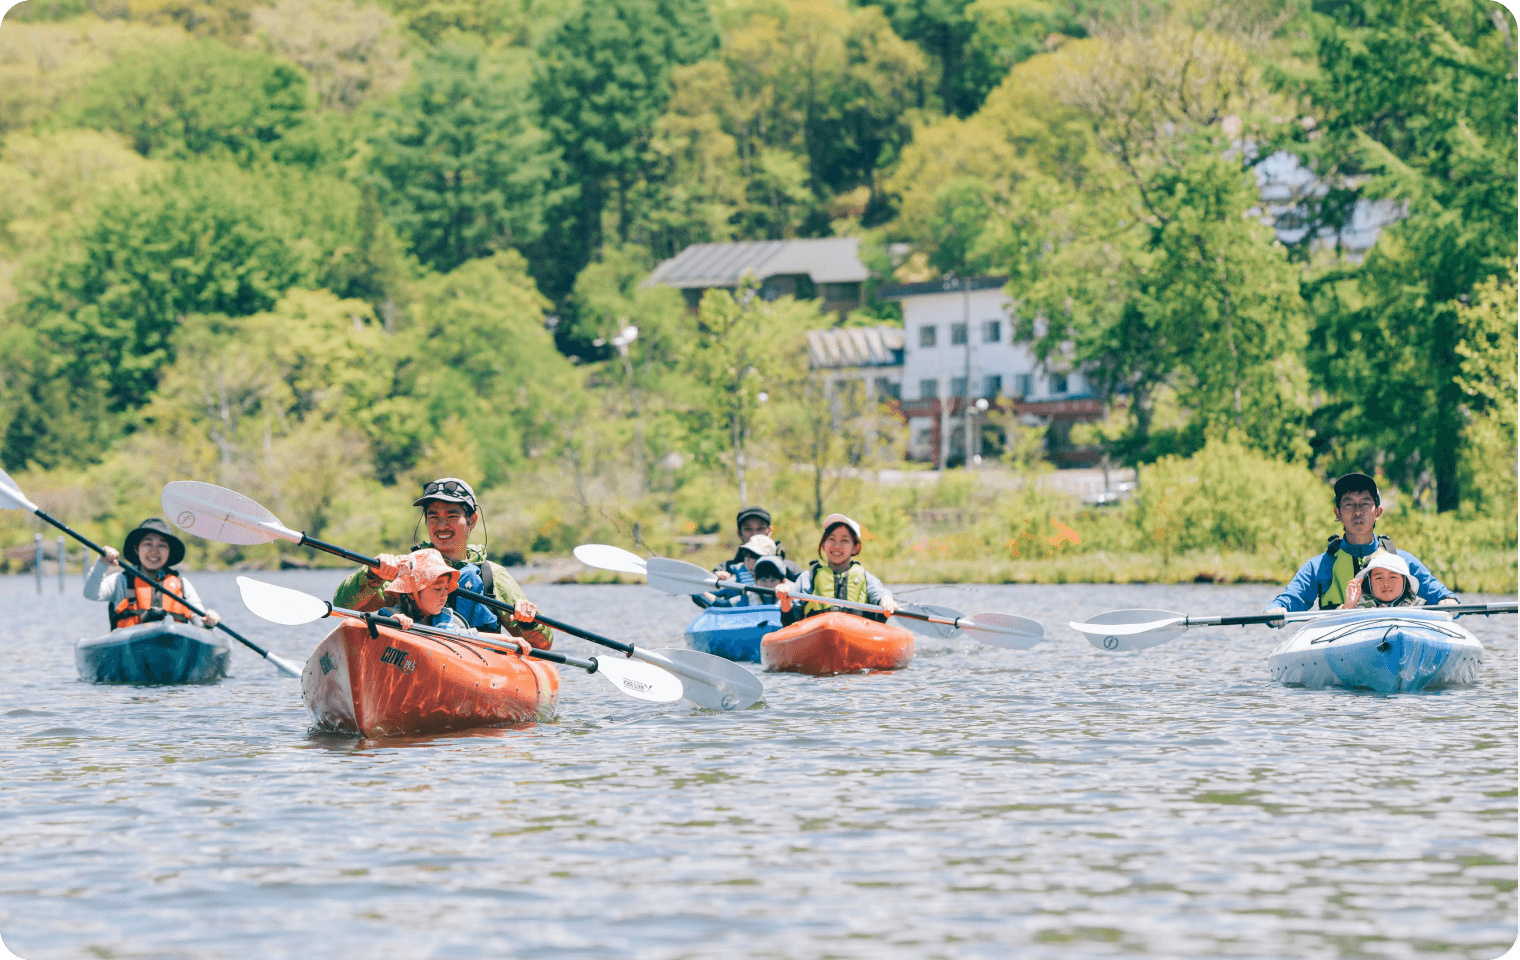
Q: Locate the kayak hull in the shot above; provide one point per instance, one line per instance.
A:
(836, 642)
(165, 652)
(400, 684)
(733, 633)
(1381, 650)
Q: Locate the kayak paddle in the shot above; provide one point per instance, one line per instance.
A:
(605, 557)
(292, 607)
(1141, 629)
(11, 498)
(227, 516)
(997, 629)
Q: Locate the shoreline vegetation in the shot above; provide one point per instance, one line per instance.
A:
(323, 251)
(1224, 515)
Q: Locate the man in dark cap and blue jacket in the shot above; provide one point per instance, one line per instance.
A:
(1323, 578)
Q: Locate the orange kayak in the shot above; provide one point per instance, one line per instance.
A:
(395, 684)
(836, 643)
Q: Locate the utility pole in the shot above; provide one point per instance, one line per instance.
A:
(966, 400)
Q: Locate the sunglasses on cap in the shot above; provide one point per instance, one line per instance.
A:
(448, 488)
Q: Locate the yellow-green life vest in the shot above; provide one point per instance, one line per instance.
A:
(1343, 571)
(847, 585)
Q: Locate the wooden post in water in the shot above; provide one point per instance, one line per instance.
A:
(37, 558)
(63, 559)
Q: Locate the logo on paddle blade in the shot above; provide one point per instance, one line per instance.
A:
(635, 685)
(1110, 643)
(185, 520)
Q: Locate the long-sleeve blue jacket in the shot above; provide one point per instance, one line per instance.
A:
(1314, 577)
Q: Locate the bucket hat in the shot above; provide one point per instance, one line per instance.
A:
(160, 527)
(423, 567)
(760, 545)
(1383, 560)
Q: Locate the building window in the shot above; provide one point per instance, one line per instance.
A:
(992, 331)
(887, 390)
(841, 291)
(928, 389)
(992, 385)
(957, 386)
(1022, 386)
(926, 336)
(1057, 383)
(957, 334)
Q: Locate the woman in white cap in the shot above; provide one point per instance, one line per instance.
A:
(1386, 581)
(839, 576)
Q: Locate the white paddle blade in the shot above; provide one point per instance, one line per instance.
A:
(1132, 629)
(1004, 630)
(224, 516)
(645, 681)
(604, 557)
(940, 631)
(280, 604)
(679, 578)
(713, 682)
(285, 666)
(11, 497)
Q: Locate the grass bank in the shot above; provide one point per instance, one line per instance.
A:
(1224, 515)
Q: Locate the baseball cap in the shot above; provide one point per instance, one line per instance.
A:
(448, 490)
(1356, 482)
(838, 518)
(748, 512)
(760, 545)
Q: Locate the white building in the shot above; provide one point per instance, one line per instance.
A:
(959, 348)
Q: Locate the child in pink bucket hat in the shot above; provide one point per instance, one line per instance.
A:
(420, 593)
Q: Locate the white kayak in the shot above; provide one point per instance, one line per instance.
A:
(1385, 650)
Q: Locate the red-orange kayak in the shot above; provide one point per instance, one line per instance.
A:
(395, 683)
(836, 643)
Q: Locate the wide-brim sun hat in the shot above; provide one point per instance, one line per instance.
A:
(1383, 560)
(422, 567)
(160, 527)
(834, 520)
(448, 490)
(760, 545)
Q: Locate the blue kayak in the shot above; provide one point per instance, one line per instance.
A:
(733, 633)
(153, 653)
(1385, 650)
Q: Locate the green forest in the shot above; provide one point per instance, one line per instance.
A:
(321, 251)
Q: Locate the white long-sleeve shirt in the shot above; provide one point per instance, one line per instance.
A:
(112, 587)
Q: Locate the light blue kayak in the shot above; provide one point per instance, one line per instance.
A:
(733, 633)
(1384, 650)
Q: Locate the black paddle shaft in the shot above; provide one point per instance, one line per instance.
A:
(158, 584)
(590, 666)
(492, 602)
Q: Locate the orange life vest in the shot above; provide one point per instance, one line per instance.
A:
(145, 603)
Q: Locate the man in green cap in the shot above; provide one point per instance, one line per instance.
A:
(450, 511)
(1324, 578)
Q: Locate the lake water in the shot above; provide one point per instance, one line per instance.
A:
(1059, 802)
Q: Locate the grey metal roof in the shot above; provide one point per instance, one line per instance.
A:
(855, 347)
(897, 291)
(830, 260)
